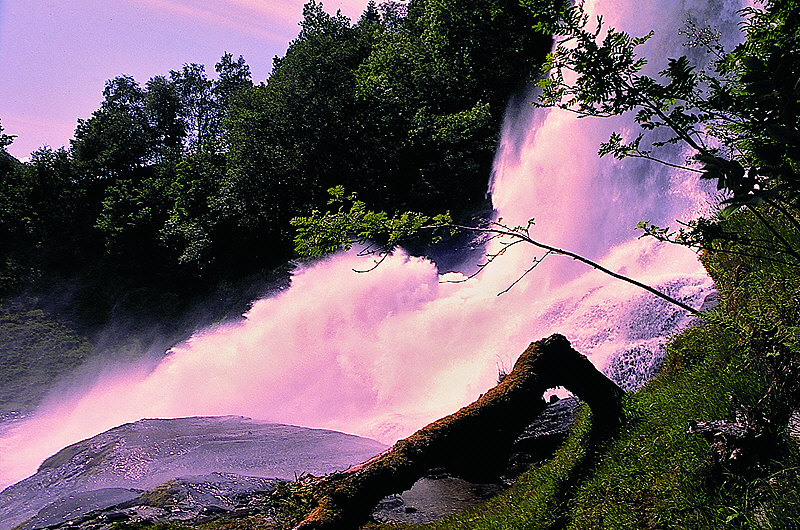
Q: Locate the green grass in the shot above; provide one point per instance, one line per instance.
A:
(651, 475)
(654, 475)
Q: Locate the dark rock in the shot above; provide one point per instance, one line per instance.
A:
(116, 517)
(193, 500)
(645, 327)
(555, 420)
(634, 366)
(240, 513)
(430, 500)
(79, 506)
(710, 302)
(542, 437)
(391, 503)
(738, 444)
(793, 428)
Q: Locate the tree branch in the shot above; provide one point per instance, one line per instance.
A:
(506, 231)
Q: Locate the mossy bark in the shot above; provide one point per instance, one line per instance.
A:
(472, 443)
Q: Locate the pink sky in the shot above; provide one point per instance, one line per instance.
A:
(55, 56)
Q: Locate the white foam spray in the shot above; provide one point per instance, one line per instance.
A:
(383, 353)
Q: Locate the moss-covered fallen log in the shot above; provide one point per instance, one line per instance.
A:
(472, 443)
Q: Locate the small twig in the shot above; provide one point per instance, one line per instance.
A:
(536, 262)
(790, 250)
(665, 163)
(729, 239)
(784, 471)
(489, 259)
(786, 213)
(383, 256)
(367, 250)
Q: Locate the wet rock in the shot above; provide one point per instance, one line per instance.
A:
(390, 504)
(196, 500)
(645, 329)
(79, 506)
(115, 517)
(636, 365)
(220, 458)
(431, 499)
(794, 426)
(740, 444)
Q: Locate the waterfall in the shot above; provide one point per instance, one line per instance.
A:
(383, 353)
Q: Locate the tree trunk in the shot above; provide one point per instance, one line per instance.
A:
(472, 443)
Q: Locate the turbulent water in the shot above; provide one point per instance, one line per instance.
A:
(381, 354)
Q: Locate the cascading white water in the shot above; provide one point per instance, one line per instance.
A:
(381, 354)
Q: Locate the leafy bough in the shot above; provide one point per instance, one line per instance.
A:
(378, 233)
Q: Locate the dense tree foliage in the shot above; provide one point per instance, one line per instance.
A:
(194, 177)
(15, 230)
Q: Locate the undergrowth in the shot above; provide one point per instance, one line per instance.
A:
(36, 348)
